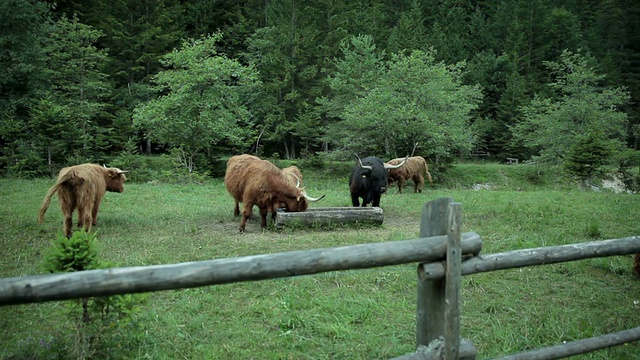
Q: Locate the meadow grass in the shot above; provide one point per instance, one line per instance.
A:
(358, 314)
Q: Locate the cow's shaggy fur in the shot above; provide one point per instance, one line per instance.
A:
(293, 175)
(368, 182)
(253, 181)
(414, 169)
(82, 187)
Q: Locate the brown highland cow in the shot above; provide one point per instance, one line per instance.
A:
(414, 169)
(253, 181)
(82, 187)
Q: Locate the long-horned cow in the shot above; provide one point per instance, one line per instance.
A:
(82, 187)
(253, 181)
(415, 169)
(369, 180)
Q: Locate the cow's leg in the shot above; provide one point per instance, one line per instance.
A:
(376, 199)
(94, 212)
(67, 204)
(418, 183)
(85, 216)
(67, 219)
(355, 200)
(263, 217)
(236, 210)
(273, 208)
(94, 215)
(400, 185)
(246, 213)
(85, 201)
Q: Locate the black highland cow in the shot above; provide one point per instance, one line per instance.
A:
(368, 180)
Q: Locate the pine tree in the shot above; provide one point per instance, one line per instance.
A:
(79, 85)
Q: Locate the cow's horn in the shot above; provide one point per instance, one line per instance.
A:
(387, 166)
(123, 172)
(309, 198)
(368, 167)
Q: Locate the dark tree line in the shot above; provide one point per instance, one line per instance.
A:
(73, 74)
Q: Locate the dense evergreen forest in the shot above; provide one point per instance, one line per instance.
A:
(545, 80)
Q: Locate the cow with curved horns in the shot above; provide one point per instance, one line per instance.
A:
(415, 169)
(82, 187)
(369, 180)
(253, 181)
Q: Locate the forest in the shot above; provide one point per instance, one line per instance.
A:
(551, 81)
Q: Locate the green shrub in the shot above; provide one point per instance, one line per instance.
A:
(100, 327)
(587, 156)
(628, 161)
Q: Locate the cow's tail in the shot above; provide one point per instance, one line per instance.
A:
(426, 169)
(47, 200)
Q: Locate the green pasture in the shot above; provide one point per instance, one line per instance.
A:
(359, 314)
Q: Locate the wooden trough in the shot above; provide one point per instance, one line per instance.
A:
(330, 215)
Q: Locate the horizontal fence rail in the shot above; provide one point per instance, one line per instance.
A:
(38, 288)
(537, 256)
(577, 347)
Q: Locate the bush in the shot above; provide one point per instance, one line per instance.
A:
(99, 325)
(627, 161)
(587, 156)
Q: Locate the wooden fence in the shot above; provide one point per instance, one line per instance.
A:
(439, 252)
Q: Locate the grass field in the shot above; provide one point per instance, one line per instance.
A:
(359, 314)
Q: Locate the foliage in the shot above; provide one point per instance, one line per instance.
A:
(76, 253)
(410, 33)
(415, 100)
(75, 69)
(202, 100)
(102, 324)
(628, 165)
(357, 71)
(293, 46)
(23, 28)
(588, 154)
(553, 125)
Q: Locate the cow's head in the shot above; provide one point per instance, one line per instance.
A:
(115, 179)
(395, 168)
(369, 175)
(296, 201)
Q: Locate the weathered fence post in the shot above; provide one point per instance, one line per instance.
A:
(438, 310)
(431, 293)
(453, 282)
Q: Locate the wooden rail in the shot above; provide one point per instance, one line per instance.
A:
(29, 289)
(538, 256)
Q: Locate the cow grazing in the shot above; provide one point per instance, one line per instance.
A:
(369, 180)
(82, 187)
(414, 169)
(253, 181)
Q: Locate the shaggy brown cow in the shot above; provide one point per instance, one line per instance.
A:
(253, 181)
(414, 169)
(82, 187)
(636, 264)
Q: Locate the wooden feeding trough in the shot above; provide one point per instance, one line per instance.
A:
(330, 215)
